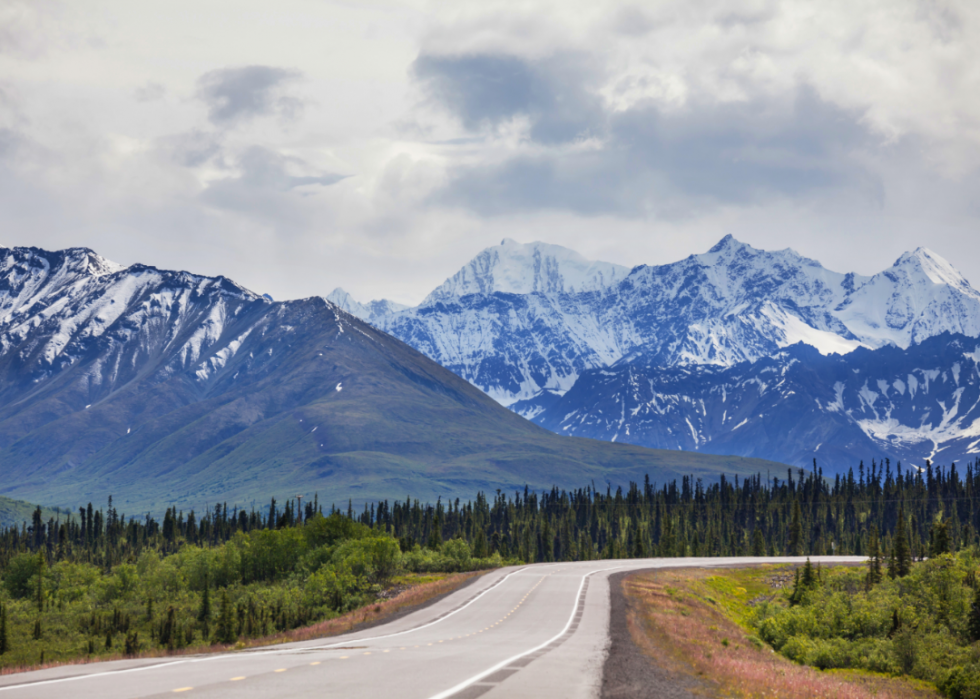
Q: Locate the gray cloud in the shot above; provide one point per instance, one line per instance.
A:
(149, 92)
(235, 95)
(488, 90)
(266, 178)
(650, 160)
(193, 148)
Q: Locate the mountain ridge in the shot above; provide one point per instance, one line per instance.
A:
(165, 388)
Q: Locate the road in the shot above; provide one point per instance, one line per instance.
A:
(534, 631)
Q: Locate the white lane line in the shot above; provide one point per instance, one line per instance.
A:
(85, 677)
(424, 626)
(489, 671)
(225, 656)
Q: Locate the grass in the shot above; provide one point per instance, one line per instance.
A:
(410, 591)
(695, 622)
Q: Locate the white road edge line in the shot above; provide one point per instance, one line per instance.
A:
(489, 671)
(224, 656)
(84, 677)
(424, 626)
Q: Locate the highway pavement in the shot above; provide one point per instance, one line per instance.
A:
(532, 631)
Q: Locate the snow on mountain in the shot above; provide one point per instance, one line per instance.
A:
(58, 308)
(528, 268)
(904, 404)
(523, 321)
(920, 296)
(365, 311)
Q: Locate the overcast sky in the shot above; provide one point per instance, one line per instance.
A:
(299, 146)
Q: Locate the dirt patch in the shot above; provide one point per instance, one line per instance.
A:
(632, 669)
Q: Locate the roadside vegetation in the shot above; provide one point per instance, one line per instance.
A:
(128, 589)
(698, 623)
(97, 582)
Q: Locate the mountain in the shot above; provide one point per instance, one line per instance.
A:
(365, 311)
(524, 334)
(908, 405)
(528, 268)
(161, 387)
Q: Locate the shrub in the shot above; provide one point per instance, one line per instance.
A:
(963, 682)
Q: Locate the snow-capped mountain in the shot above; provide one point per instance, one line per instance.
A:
(365, 311)
(168, 388)
(907, 405)
(522, 322)
(57, 308)
(528, 268)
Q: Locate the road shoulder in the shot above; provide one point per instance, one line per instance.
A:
(631, 671)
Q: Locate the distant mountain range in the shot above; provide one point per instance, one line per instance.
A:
(558, 339)
(162, 387)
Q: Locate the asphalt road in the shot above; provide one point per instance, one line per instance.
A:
(534, 631)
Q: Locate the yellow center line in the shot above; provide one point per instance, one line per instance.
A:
(183, 689)
(315, 662)
(235, 679)
(282, 669)
(344, 657)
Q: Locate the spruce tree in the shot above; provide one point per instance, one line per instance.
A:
(796, 531)
(758, 542)
(204, 613)
(938, 539)
(225, 633)
(901, 558)
(874, 557)
(973, 619)
(39, 596)
(4, 639)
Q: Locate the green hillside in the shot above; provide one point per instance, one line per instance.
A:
(313, 401)
(15, 512)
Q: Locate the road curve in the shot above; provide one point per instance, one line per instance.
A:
(532, 631)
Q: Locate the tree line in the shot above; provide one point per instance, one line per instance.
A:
(875, 511)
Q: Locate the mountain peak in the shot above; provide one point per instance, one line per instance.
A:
(727, 243)
(369, 311)
(935, 267)
(526, 268)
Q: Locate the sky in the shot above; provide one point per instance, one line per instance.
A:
(378, 146)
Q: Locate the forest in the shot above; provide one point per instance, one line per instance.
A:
(101, 582)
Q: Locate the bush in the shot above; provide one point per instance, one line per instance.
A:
(963, 682)
(20, 575)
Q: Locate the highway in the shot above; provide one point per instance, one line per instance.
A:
(532, 631)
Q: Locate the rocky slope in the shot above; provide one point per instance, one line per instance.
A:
(796, 405)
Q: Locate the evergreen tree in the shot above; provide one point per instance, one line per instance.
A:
(874, 557)
(4, 638)
(132, 643)
(435, 536)
(796, 531)
(939, 539)
(225, 632)
(758, 543)
(39, 596)
(204, 612)
(900, 563)
(973, 619)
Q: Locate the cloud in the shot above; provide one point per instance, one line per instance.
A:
(193, 148)
(647, 158)
(235, 95)
(149, 92)
(486, 91)
(266, 183)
